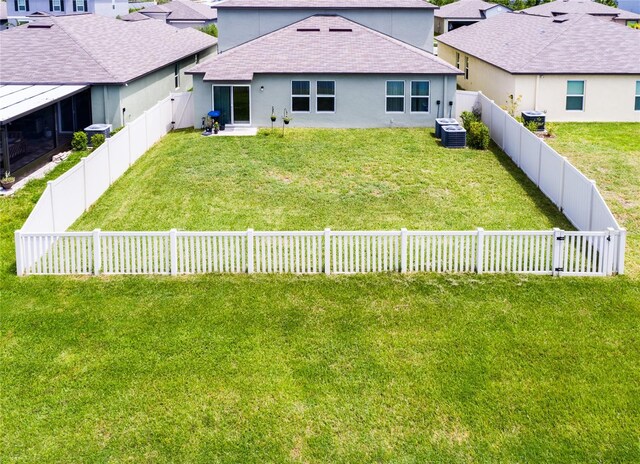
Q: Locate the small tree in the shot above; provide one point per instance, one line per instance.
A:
(79, 141)
(513, 103)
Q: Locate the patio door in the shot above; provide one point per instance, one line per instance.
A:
(234, 103)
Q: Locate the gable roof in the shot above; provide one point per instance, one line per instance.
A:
(92, 49)
(527, 44)
(183, 10)
(560, 7)
(135, 16)
(322, 45)
(329, 4)
(468, 9)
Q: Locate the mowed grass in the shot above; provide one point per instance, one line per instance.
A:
(312, 179)
(609, 153)
(255, 369)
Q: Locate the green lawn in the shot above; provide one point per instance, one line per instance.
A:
(312, 179)
(376, 368)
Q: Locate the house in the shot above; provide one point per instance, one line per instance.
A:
(464, 13)
(629, 5)
(326, 71)
(19, 11)
(178, 13)
(70, 77)
(4, 20)
(599, 10)
(575, 67)
(410, 21)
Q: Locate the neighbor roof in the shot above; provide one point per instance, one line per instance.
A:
(466, 9)
(561, 7)
(332, 4)
(91, 49)
(135, 16)
(572, 44)
(183, 10)
(324, 45)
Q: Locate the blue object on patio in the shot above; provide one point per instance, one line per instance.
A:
(214, 114)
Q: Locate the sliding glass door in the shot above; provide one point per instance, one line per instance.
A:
(234, 103)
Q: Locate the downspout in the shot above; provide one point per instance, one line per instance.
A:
(444, 96)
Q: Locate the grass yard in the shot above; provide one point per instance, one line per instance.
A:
(255, 369)
(312, 179)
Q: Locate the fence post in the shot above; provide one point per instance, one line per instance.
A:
(593, 192)
(97, 252)
(173, 245)
(327, 251)
(519, 158)
(53, 209)
(557, 251)
(249, 251)
(146, 130)
(622, 243)
(504, 132)
(19, 268)
(128, 129)
(562, 180)
(109, 161)
(540, 143)
(609, 247)
(403, 250)
(480, 251)
(84, 183)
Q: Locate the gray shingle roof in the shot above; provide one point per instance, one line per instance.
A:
(91, 49)
(332, 4)
(135, 16)
(472, 9)
(572, 44)
(183, 10)
(560, 7)
(313, 45)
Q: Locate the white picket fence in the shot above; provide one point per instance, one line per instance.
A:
(554, 252)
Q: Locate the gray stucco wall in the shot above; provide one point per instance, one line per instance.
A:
(360, 100)
(414, 26)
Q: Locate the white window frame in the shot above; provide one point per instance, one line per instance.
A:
(232, 121)
(458, 60)
(57, 8)
(584, 92)
(22, 5)
(80, 6)
(466, 68)
(325, 96)
(176, 75)
(299, 95)
(403, 96)
(637, 96)
(412, 96)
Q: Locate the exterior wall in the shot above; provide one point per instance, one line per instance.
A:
(607, 97)
(110, 8)
(629, 5)
(360, 100)
(241, 25)
(441, 24)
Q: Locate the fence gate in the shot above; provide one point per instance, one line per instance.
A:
(182, 107)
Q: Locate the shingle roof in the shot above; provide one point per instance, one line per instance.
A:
(572, 44)
(560, 7)
(135, 16)
(473, 9)
(91, 49)
(183, 10)
(331, 4)
(324, 45)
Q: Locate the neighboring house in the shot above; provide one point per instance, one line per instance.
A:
(243, 20)
(629, 5)
(69, 76)
(4, 21)
(562, 7)
(19, 11)
(573, 67)
(178, 13)
(465, 13)
(326, 71)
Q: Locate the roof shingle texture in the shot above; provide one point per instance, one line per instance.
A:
(332, 4)
(316, 49)
(560, 7)
(473, 9)
(183, 10)
(572, 44)
(91, 49)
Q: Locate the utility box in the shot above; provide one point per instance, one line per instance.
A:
(534, 116)
(444, 122)
(93, 129)
(454, 136)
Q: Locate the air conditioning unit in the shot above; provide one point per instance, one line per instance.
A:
(93, 129)
(454, 136)
(444, 122)
(534, 116)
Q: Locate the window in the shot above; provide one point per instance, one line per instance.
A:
(79, 5)
(637, 107)
(395, 96)
(575, 96)
(466, 67)
(419, 96)
(458, 60)
(55, 5)
(176, 75)
(300, 91)
(22, 5)
(325, 96)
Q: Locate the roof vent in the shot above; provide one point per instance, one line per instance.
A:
(337, 29)
(561, 20)
(40, 24)
(308, 29)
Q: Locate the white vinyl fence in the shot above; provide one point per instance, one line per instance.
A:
(553, 252)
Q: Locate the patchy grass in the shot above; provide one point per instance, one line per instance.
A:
(609, 153)
(377, 368)
(312, 179)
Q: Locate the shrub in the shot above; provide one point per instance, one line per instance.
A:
(551, 129)
(79, 141)
(211, 29)
(467, 118)
(97, 140)
(532, 126)
(478, 135)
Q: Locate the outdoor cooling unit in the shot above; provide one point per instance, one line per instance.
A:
(93, 129)
(444, 122)
(534, 116)
(454, 136)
